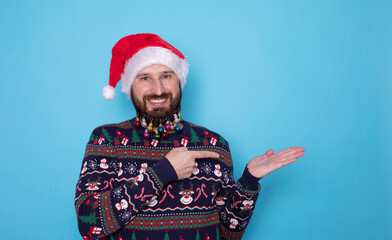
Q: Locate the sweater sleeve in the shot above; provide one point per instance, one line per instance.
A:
(104, 203)
(239, 201)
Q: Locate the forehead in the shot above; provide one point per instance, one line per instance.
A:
(155, 68)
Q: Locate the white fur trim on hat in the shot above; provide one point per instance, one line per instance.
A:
(147, 57)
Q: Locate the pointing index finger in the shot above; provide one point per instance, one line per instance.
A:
(204, 154)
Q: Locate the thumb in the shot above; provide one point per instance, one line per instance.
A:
(269, 152)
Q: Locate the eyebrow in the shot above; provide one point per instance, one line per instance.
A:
(146, 74)
(142, 74)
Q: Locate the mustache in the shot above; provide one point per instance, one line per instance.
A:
(154, 96)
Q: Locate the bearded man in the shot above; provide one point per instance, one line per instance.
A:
(157, 176)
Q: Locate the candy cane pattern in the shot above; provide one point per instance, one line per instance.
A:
(108, 183)
(77, 186)
(166, 192)
(141, 194)
(234, 204)
(201, 190)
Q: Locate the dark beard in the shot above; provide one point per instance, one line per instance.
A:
(157, 115)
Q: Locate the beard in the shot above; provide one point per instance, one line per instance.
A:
(157, 115)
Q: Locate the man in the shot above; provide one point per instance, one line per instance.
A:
(157, 176)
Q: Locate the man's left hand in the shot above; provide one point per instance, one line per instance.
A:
(261, 166)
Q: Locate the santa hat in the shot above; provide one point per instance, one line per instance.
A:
(135, 52)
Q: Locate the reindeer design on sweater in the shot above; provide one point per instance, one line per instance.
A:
(247, 205)
(93, 185)
(186, 194)
(219, 199)
(213, 193)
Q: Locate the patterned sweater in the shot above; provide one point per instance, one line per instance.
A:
(127, 189)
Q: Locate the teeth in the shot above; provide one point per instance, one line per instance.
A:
(157, 100)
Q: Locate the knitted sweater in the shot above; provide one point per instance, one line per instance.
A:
(127, 189)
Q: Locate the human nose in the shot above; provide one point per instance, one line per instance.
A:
(157, 87)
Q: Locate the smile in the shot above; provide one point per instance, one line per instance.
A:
(158, 102)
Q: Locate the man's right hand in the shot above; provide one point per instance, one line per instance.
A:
(183, 160)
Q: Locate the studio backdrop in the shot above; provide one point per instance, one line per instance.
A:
(263, 74)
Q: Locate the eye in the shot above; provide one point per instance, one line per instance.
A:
(144, 78)
(166, 76)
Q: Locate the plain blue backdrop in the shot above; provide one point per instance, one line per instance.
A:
(264, 74)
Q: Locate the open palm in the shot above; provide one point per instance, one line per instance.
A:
(261, 166)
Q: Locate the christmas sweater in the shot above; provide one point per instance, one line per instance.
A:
(127, 189)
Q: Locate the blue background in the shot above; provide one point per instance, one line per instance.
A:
(264, 74)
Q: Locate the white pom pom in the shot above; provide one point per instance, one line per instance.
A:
(109, 92)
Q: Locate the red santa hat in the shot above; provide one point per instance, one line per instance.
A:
(135, 52)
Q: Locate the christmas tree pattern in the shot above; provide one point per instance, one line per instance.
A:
(166, 237)
(90, 219)
(223, 141)
(194, 138)
(135, 137)
(93, 137)
(165, 142)
(106, 135)
(197, 235)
